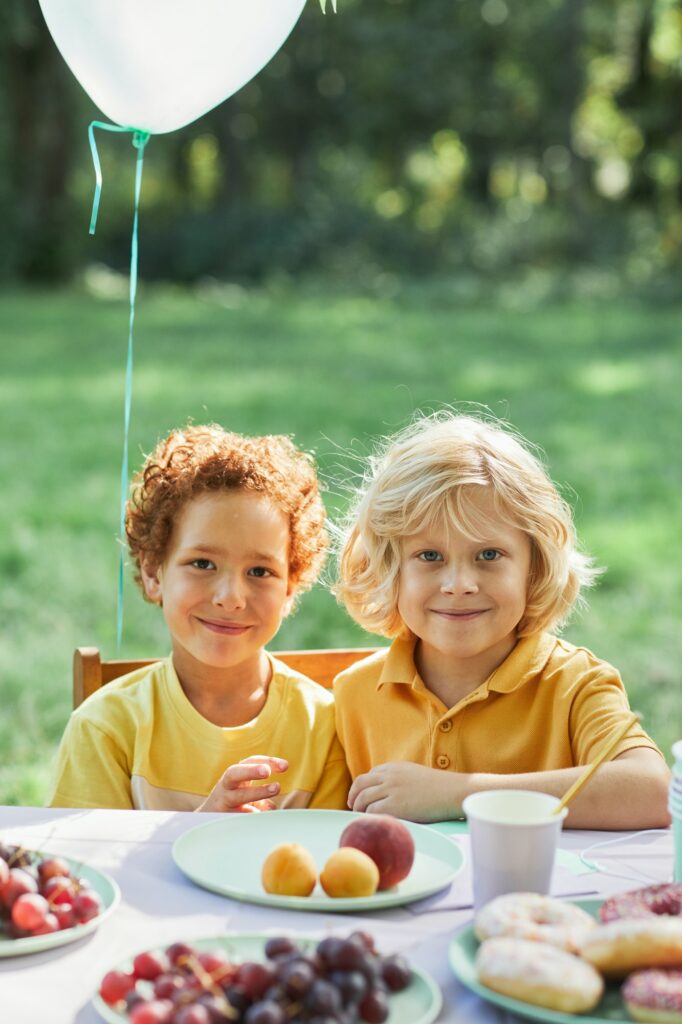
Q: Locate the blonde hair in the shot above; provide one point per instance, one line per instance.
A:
(436, 466)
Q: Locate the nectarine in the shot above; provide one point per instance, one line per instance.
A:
(387, 841)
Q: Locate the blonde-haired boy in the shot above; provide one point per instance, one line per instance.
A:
(462, 552)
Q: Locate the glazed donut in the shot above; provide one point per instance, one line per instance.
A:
(538, 974)
(654, 996)
(527, 915)
(652, 900)
(632, 944)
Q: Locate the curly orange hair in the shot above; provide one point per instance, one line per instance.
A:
(201, 459)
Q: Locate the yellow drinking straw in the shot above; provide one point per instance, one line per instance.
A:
(591, 769)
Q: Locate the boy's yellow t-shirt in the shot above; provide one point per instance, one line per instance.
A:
(139, 743)
(548, 705)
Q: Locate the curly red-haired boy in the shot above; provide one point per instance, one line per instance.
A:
(225, 531)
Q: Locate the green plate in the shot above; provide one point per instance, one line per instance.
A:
(103, 885)
(226, 856)
(462, 954)
(419, 1003)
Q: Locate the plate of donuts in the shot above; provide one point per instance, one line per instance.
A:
(558, 961)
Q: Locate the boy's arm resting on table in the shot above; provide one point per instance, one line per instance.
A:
(91, 770)
(429, 794)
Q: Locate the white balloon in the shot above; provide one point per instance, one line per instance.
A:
(156, 65)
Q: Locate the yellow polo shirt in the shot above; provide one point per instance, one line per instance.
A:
(548, 705)
(138, 742)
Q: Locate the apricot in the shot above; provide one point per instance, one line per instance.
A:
(289, 870)
(349, 872)
(387, 841)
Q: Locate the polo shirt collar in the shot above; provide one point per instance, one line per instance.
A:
(526, 661)
(399, 666)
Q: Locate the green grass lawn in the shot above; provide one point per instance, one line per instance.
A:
(596, 386)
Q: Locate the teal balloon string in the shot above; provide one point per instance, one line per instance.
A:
(140, 140)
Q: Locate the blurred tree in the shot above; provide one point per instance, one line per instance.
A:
(37, 126)
(408, 134)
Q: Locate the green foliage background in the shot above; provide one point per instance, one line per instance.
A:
(416, 202)
(401, 136)
(597, 385)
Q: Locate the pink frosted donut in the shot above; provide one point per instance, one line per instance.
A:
(665, 900)
(527, 915)
(654, 996)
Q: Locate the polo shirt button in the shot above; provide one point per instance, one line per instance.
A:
(445, 726)
(443, 761)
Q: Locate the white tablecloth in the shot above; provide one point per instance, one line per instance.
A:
(159, 905)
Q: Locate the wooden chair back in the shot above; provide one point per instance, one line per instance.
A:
(90, 672)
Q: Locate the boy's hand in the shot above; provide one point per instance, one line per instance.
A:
(234, 791)
(408, 790)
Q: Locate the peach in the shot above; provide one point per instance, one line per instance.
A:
(349, 872)
(387, 841)
(289, 870)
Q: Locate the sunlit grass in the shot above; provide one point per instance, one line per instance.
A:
(596, 386)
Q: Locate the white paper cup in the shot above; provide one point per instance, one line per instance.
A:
(513, 841)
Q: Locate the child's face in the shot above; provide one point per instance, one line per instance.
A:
(462, 598)
(224, 584)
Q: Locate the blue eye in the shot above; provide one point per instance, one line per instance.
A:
(489, 555)
(430, 556)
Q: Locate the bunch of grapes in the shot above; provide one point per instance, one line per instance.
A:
(39, 895)
(340, 981)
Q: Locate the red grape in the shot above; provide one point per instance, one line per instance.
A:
(217, 965)
(279, 946)
(150, 965)
(352, 985)
(18, 883)
(265, 1013)
(29, 911)
(51, 866)
(323, 998)
(157, 1011)
(58, 889)
(296, 977)
(365, 938)
(65, 915)
(86, 905)
(374, 1007)
(396, 972)
(179, 951)
(216, 1006)
(115, 986)
(49, 925)
(255, 978)
(195, 1014)
(167, 984)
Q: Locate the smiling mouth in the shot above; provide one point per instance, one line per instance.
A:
(225, 628)
(460, 616)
